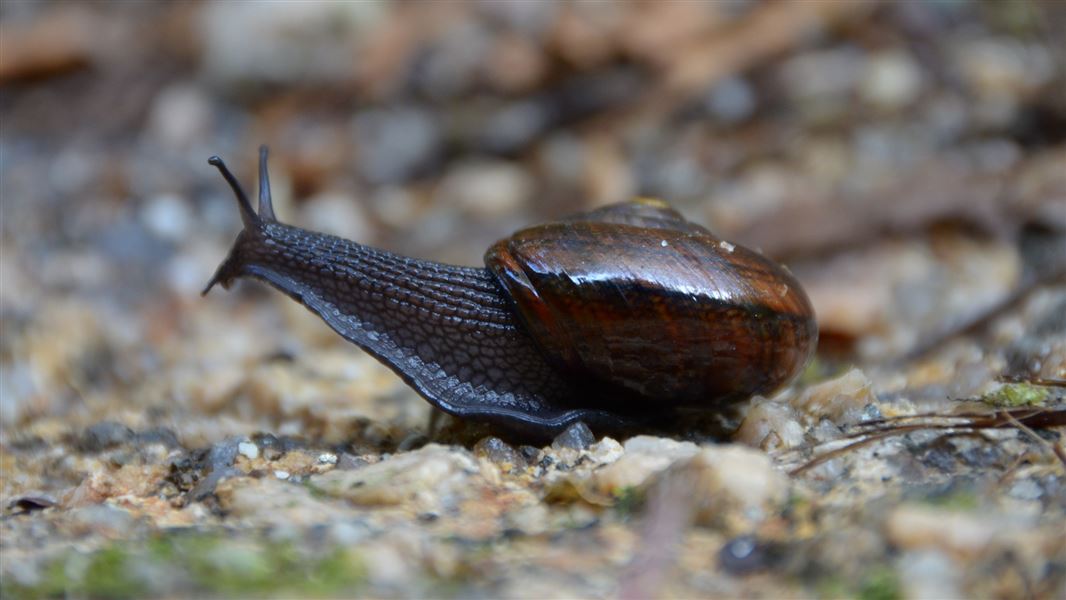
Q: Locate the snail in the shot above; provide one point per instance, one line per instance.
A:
(615, 317)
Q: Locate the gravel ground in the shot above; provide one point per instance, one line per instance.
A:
(905, 160)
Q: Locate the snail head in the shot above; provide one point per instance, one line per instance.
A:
(253, 223)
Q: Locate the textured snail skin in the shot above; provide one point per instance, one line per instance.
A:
(614, 317)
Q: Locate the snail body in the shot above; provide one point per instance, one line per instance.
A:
(616, 316)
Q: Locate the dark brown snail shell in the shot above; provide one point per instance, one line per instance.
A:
(617, 316)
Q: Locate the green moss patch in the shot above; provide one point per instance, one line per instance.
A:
(196, 564)
(1014, 395)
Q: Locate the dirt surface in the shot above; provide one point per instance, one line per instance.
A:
(906, 161)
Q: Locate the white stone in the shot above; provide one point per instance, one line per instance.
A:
(644, 456)
(892, 80)
(336, 213)
(742, 477)
(167, 216)
(487, 188)
(424, 478)
(248, 450)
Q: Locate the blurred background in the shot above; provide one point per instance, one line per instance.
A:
(894, 154)
(906, 160)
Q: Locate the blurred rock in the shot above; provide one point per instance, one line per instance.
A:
(487, 189)
(905, 160)
(396, 144)
(562, 157)
(738, 479)
(168, 217)
(337, 213)
(929, 574)
(104, 435)
(426, 479)
(529, 18)
(742, 555)
(644, 456)
(30, 503)
(892, 80)
(576, 437)
(295, 43)
(730, 100)
(586, 35)
(825, 75)
(104, 519)
(516, 64)
(395, 206)
(450, 65)
(965, 535)
(842, 400)
(516, 125)
(500, 452)
(770, 425)
(270, 502)
(181, 116)
(1003, 67)
(248, 450)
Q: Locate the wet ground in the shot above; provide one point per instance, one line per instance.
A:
(904, 160)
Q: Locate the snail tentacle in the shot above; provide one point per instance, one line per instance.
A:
(266, 204)
(248, 215)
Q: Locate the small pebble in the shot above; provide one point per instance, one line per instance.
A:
(104, 435)
(103, 518)
(348, 462)
(929, 574)
(31, 503)
(871, 412)
(327, 458)
(490, 189)
(577, 437)
(892, 80)
(159, 435)
(730, 100)
(823, 74)
(499, 452)
(396, 144)
(337, 213)
(742, 555)
(1026, 489)
(248, 450)
(515, 125)
(181, 115)
(529, 453)
(412, 442)
(281, 474)
(168, 217)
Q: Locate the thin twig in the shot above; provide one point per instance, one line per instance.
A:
(881, 429)
(1039, 440)
(1040, 381)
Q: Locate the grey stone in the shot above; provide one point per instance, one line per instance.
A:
(104, 435)
(578, 437)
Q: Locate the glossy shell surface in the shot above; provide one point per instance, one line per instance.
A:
(637, 302)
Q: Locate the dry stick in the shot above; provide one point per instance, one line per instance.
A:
(1039, 440)
(1042, 418)
(1039, 381)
